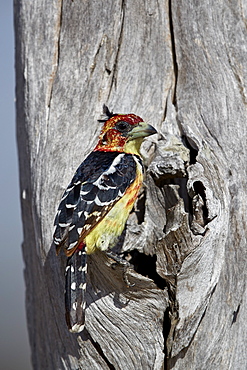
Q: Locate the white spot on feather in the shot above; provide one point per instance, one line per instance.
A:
(83, 192)
(57, 241)
(77, 328)
(112, 168)
(65, 195)
(70, 205)
(99, 203)
(84, 268)
(69, 189)
(64, 225)
(83, 286)
(96, 213)
(110, 171)
(72, 245)
(79, 230)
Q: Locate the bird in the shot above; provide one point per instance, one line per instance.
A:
(96, 204)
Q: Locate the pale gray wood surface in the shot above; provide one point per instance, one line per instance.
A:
(182, 66)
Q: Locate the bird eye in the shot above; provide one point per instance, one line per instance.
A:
(123, 126)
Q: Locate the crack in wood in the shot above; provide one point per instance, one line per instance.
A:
(55, 60)
(93, 65)
(100, 351)
(114, 68)
(173, 50)
(235, 315)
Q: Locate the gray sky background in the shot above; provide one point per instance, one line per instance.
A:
(14, 346)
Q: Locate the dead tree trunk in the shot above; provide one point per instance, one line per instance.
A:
(182, 66)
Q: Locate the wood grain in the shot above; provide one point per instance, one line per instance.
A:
(182, 67)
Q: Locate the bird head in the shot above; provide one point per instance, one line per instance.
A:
(123, 132)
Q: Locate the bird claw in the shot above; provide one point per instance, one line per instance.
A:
(126, 265)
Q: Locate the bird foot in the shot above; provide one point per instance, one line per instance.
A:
(126, 265)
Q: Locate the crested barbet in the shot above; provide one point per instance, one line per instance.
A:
(96, 204)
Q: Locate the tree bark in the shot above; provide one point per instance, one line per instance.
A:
(182, 67)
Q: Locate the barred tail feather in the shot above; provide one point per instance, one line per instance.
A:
(75, 288)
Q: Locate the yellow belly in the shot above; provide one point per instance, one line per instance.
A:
(106, 233)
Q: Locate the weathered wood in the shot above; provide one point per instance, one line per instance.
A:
(210, 42)
(181, 66)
